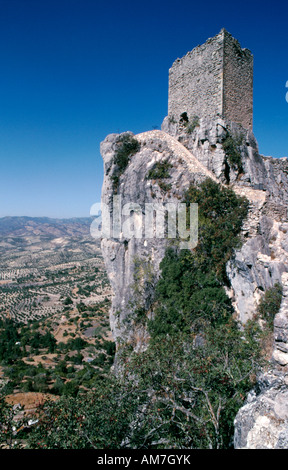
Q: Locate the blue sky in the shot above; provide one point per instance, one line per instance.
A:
(74, 71)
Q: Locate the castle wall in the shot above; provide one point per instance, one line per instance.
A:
(237, 83)
(195, 81)
(213, 79)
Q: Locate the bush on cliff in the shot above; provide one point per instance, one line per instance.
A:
(270, 303)
(127, 146)
(231, 147)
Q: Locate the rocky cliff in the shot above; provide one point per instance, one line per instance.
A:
(189, 152)
(123, 256)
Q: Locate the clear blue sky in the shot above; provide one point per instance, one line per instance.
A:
(73, 71)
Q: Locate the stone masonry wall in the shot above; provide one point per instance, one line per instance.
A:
(195, 81)
(213, 79)
(237, 83)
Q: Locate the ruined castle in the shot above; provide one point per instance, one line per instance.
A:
(214, 79)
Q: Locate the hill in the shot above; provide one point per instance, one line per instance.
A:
(23, 226)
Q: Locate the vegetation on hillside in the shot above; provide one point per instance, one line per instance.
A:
(33, 361)
(185, 389)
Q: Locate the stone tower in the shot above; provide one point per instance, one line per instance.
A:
(213, 79)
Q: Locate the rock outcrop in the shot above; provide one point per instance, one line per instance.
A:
(262, 423)
(228, 154)
(125, 257)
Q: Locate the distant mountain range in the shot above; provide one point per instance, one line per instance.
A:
(44, 226)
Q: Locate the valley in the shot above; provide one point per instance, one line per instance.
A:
(55, 337)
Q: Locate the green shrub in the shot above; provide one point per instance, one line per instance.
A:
(270, 303)
(127, 146)
(192, 125)
(189, 125)
(70, 389)
(68, 301)
(109, 347)
(231, 147)
(187, 299)
(10, 349)
(77, 359)
(76, 344)
(164, 186)
(159, 170)
(99, 360)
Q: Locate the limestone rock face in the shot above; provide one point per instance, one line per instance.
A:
(257, 266)
(207, 142)
(133, 263)
(263, 422)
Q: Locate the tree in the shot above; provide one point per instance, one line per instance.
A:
(68, 301)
